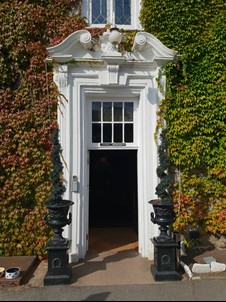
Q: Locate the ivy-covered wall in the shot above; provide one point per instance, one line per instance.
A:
(195, 106)
(28, 102)
(194, 110)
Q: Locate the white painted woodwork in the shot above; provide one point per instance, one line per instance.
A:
(85, 70)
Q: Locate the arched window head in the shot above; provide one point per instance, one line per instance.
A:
(120, 13)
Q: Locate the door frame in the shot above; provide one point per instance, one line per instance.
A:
(106, 94)
(75, 141)
(141, 146)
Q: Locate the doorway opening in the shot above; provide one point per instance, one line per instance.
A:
(113, 205)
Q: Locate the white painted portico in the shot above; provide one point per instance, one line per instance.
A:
(86, 71)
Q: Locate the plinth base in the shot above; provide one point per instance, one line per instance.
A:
(59, 272)
(165, 261)
(57, 279)
(164, 275)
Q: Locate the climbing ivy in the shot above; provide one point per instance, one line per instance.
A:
(194, 107)
(28, 109)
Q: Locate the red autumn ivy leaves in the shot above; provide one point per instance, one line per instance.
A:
(27, 116)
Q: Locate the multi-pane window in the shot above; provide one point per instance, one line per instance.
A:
(123, 12)
(116, 12)
(101, 11)
(112, 122)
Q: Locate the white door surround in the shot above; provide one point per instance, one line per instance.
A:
(85, 72)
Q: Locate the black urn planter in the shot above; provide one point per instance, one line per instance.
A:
(58, 271)
(57, 219)
(165, 267)
(163, 216)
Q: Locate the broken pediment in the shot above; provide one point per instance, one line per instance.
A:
(80, 46)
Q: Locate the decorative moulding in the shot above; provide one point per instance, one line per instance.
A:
(65, 48)
(113, 63)
(86, 40)
(152, 48)
(61, 75)
(79, 46)
(139, 42)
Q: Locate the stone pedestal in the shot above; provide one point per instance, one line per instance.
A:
(59, 271)
(165, 267)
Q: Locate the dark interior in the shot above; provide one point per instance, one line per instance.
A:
(113, 188)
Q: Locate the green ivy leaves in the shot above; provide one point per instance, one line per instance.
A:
(195, 104)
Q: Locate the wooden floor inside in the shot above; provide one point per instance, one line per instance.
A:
(105, 239)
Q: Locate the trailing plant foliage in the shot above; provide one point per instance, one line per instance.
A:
(195, 105)
(28, 105)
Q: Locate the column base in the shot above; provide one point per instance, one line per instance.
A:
(57, 279)
(59, 271)
(165, 267)
(165, 275)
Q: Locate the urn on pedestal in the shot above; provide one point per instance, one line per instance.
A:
(59, 271)
(165, 265)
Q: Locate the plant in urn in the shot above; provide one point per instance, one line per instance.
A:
(163, 207)
(58, 270)
(165, 265)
